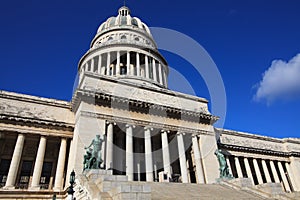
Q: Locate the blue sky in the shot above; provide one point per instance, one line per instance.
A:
(42, 42)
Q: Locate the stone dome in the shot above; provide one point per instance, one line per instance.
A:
(124, 49)
(123, 20)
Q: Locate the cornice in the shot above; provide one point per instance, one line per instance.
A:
(258, 151)
(249, 135)
(11, 119)
(34, 99)
(118, 119)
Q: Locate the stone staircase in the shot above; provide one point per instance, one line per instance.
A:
(101, 184)
(166, 191)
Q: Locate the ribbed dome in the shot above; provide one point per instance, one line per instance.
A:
(124, 49)
(123, 20)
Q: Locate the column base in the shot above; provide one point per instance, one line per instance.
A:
(34, 188)
(57, 189)
(8, 188)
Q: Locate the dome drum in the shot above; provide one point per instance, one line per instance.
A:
(128, 64)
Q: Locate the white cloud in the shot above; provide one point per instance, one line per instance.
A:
(280, 82)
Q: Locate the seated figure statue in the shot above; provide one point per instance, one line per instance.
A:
(92, 158)
(223, 167)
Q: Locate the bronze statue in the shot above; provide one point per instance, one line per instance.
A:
(224, 170)
(92, 158)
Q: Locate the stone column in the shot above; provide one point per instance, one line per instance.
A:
(257, 171)
(274, 172)
(38, 166)
(15, 162)
(128, 63)
(129, 152)
(182, 158)
(147, 66)
(138, 65)
(198, 162)
(118, 64)
(248, 169)
(266, 171)
(290, 174)
(283, 176)
(238, 167)
(92, 65)
(100, 71)
(160, 74)
(154, 70)
(108, 64)
(109, 146)
(165, 78)
(148, 155)
(58, 183)
(166, 152)
(228, 164)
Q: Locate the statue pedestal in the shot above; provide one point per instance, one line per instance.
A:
(93, 174)
(218, 180)
(242, 182)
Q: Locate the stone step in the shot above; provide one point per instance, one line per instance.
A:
(165, 191)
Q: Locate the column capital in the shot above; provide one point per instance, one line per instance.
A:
(180, 133)
(111, 122)
(162, 131)
(148, 128)
(129, 125)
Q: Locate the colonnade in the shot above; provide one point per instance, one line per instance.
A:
(118, 63)
(38, 164)
(150, 167)
(261, 170)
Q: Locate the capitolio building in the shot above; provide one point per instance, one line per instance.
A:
(125, 135)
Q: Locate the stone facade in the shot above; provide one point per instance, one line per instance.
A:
(150, 133)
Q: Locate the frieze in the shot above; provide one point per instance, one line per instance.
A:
(25, 111)
(116, 119)
(141, 104)
(251, 143)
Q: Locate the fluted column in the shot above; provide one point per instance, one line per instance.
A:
(129, 152)
(58, 183)
(118, 64)
(166, 152)
(266, 171)
(128, 63)
(38, 166)
(248, 169)
(198, 162)
(109, 146)
(257, 172)
(148, 155)
(108, 64)
(154, 70)
(15, 162)
(238, 167)
(138, 65)
(274, 172)
(182, 158)
(147, 66)
(283, 176)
